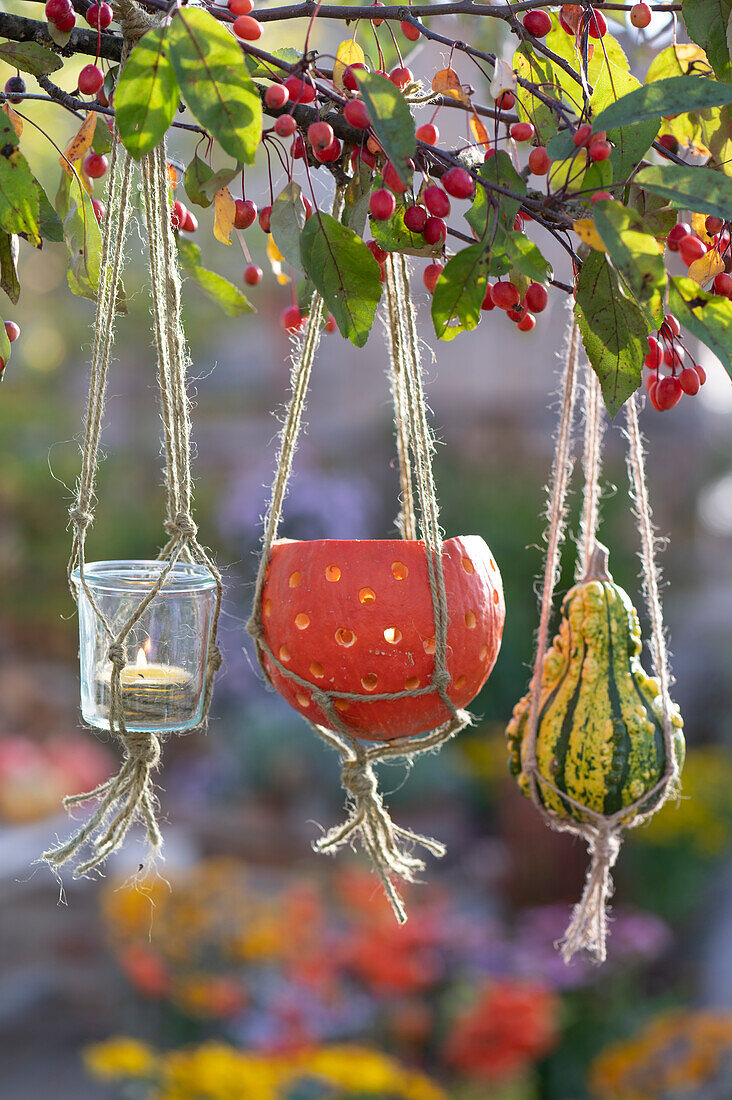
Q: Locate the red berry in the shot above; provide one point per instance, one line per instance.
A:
(330, 323)
(673, 357)
(99, 16)
(713, 225)
(56, 9)
(320, 135)
(377, 22)
(393, 180)
(691, 248)
(401, 76)
(99, 210)
(189, 223)
(66, 22)
(245, 212)
(537, 23)
(599, 196)
(458, 183)
(539, 161)
(91, 78)
(434, 230)
(597, 27)
(285, 125)
(701, 372)
(415, 218)
(491, 152)
(12, 331)
(518, 223)
(527, 322)
(522, 131)
(410, 31)
(308, 207)
(689, 381)
(349, 76)
(253, 275)
(240, 7)
(380, 254)
(640, 15)
(299, 149)
(428, 133)
(276, 96)
(536, 298)
(655, 353)
(430, 275)
(677, 234)
(723, 285)
(600, 150)
(582, 135)
(488, 304)
(292, 319)
(95, 165)
(505, 101)
(247, 27)
(670, 326)
(327, 156)
(300, 91)
(668, 141)
(668, 393)
(264, 218)
(177, 214)
(436, 201)
(14, 89)
(505, 295)
(356, 114)
(382, 204)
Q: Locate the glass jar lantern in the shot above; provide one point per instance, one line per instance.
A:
(166, 650)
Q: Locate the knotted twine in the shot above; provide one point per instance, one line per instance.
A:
(588, 927)
(388, 846)
(129, 796)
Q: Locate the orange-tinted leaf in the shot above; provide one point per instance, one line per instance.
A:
(276, 260)
(448, 83)
(224, 211)
(705, 268)
(173, 175)
(15, 118)
(479, 131)
(80, 143)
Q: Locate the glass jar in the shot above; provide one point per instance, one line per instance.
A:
(166, 650)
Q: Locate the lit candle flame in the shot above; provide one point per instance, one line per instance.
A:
(141, 661)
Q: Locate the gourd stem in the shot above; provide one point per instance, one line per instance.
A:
(597, 564)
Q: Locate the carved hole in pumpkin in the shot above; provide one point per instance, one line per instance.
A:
(411, 683)
(332, 573)
(302, 699)
(345, 637)
(317, 670)
(393, 635)
(483, 652)
(367, 596)
(470, 620)
(460, 683)
(267, 608)
(342, 704)
(492, 564)
(284, 653)
(399, 570)
(302, 621)
(429, 645)
(295, 579)
(496, 597)
(369, 681)
(468, 565)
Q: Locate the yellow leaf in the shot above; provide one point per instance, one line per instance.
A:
(569, 174)
(448, 83)
(80, 143)
(698, 224)
(705, 268)
(224, 211)
(348, 53)
(585, 230)
(15, 118)
(276, 260)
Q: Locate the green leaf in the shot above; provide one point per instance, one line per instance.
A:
(706, 22)
(344, 272)
(562, 145)
(635, 254)
(49, 223)
(658, 215)
(393, 236)
(256, 68)
(18, 197)
(214, 286)
(147, 94)
(215, 83)
(631, 139)
(564, 45)
(460, 292)
(500, 171)
(358, 193)
(673, 96)
(706, 316)
(197, 174)
(526, 257)
(8, 266)
(539, 71)
(84, 242)
(703, 190)
(613, 331)
(219, 179)
(30, 57)
(102, 140)
(391, 118)
(287, 221)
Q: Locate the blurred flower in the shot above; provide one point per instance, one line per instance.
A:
(510, 1025)
(119, 1058)
(703, 815)
(676, 1057)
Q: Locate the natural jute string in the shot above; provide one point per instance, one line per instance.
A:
(129, 796)
(388, 845)
(603, 834)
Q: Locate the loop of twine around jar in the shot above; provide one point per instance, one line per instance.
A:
(129, 796)
(388, 846)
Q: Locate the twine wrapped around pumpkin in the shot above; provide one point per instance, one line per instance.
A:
(389, 847)
(129, 796)
(602, 832)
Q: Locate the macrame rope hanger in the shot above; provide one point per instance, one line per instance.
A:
(603, 834)
(389, 846)
(129, 796)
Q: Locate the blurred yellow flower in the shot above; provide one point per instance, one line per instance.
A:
(120, 1058)
(703, 815)
(365, 1070)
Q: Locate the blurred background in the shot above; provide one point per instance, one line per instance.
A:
(248, 966)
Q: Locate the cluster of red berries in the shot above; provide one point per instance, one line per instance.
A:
(597, 147)
(181, 218)
(245, 25)
(668, 378)
(522, 311)
(691, 247)
(425, 219)
(572, 19)
(293, 320)
(61, 14)
(12, 331)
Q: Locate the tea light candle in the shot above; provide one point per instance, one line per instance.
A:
(151, 693)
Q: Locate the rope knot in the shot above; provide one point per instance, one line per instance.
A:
(134, 21)
(182, 526)
(215, 660)
(80, 518)
(359, 779)
(441, 679)
(116, 654)
(143, 748)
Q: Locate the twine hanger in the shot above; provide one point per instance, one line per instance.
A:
(389, 846)
(603, 834)
(129, 796)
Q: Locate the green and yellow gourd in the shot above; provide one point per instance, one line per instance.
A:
(600, 729)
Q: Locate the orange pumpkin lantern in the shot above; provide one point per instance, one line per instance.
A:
(352, 618)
